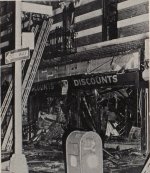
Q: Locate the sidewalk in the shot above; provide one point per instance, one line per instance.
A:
(5, 166)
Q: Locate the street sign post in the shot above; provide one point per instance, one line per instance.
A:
(18, 161)
(15, 55)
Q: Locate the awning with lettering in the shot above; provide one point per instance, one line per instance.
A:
(108, 71)
(90, 81)
(46, 86)
(104, 80)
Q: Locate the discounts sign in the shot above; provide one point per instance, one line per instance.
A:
(97, 80)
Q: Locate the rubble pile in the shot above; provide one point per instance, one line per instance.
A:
(54, 134)
(49, 137)
(125, 160)
(47, 167)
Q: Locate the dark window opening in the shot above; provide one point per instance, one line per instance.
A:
(110, 16)
(69, 28)
(62, 40)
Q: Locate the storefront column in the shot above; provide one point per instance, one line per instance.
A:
(146, 77)
(147, 107)
(143, 122)
(145, 129)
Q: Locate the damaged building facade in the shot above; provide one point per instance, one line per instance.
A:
(102, 79)
(91, 75)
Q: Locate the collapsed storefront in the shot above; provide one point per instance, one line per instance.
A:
(110, 107)
(112, 100)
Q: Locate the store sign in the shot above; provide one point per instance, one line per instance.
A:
(95, 80)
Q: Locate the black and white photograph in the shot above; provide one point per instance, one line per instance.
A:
(75, 93)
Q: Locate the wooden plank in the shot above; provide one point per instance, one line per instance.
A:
(120, 44)
(5, 32)
(133, 29)
(83, 36)
(129, 3)
(6, 17)
(4, 44)
(90, 15)
(7, 37)
(37, 8)
(87, 8)
(90, 23)
(133, 20)
(83, 2)
(133, 11)
(121, 1)
(95, 5)
(89, 39)
(90, 31)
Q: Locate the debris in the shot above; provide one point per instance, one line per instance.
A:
(136, 154)
(135, 133)
(110, 130)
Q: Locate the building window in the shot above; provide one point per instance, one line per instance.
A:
(110, 16)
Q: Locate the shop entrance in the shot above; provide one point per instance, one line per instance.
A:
(113, 112)
(110, 104)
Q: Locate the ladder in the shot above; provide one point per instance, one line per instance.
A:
(33, 66)
(9, 93)
(31, 72)
(7, 141)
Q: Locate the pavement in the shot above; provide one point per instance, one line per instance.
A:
(127, 170)
(46, 161)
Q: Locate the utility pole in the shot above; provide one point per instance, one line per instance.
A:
(18, 163)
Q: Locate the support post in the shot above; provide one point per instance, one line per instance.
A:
(147, 97)
(147, 121)
(18, 163)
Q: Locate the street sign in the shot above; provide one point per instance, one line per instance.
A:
(15, 55)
